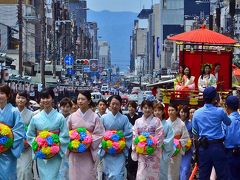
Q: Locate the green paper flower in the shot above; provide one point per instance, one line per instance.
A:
(9, 143)
(81, 130)
(55, 138)
(150, 150)
(120, 133)
(34, 145)
(136, 140)
(104, 144)
(70, 146)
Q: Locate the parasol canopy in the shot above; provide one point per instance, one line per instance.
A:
(203, 35)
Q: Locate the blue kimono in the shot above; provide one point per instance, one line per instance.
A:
(168, 149)
(10, 116)
(53, 121)
(114, 165)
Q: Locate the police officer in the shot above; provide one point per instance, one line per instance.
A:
(207, 128)
(232, 139)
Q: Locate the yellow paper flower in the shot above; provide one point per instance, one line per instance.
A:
(46, 150)
(139, 150)
(122, 144)
(142, 138)
(109, 143)
(44, 134)
(75, 143)
(189, 143)
(5, 130)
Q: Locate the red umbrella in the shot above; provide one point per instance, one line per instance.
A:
(203, 35)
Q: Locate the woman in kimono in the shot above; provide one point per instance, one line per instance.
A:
(185, 168)
(179, 77)
(49, 119)
(180, 134)
(114, 165)
(24, 163)
(65, 109)
(132, 166)
(82, 165)
(167, 147)
(206, 79)
(187, 81)
(148, 165)
(11, 117)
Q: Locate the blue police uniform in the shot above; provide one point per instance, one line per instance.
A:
(185, 167)
(232, 139)
(207, 123)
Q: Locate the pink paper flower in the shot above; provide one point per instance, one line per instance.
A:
(116, 145)
(142, 144)
(74, 135)
(87, 140)
(154, 140)
(41, 141)
(108, 134)
(54, 149)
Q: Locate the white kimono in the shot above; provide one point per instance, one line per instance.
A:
(206, 81)
(181, 133)
(24, 163)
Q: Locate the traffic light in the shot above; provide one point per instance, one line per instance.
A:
(82, 61)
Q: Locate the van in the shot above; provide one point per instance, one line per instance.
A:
(96, 96)
(104, 88)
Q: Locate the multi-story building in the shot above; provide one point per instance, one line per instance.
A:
(104, 61)
(9, 17)
(139, 50)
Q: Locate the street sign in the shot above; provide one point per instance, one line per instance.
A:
(94, 65)
(70, 71)
(68, 60)
(86, 69)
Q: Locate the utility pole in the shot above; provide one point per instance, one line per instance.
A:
(54, 38)
(20, 23)
(43, 46)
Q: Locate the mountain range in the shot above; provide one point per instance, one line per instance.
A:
(116, 28)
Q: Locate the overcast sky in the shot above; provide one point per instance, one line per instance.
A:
(120, 5)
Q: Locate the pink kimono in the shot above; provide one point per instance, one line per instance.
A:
(82, 165)
(148, 165)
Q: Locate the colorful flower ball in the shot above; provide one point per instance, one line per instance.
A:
(188, 145)
(177, 147)
(113, 142)
(46, 145)
(80, 140)
(6, 137)
(145, 143)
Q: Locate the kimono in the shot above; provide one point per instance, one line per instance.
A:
(148, 165)
(186, 84)
(10, 116)
(114, 165)
(52, 121)
(206, 81)
(24, 163)
(185, 168)
(167, 150)
(82, 165)
(180, 133)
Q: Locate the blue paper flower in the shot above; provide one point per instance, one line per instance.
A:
(149, 142)
(111, 150)
(82, 135)
(115, 137)
(49, 140)
(81, 148)
(40, 155)
(3, 139)
(146, 134)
